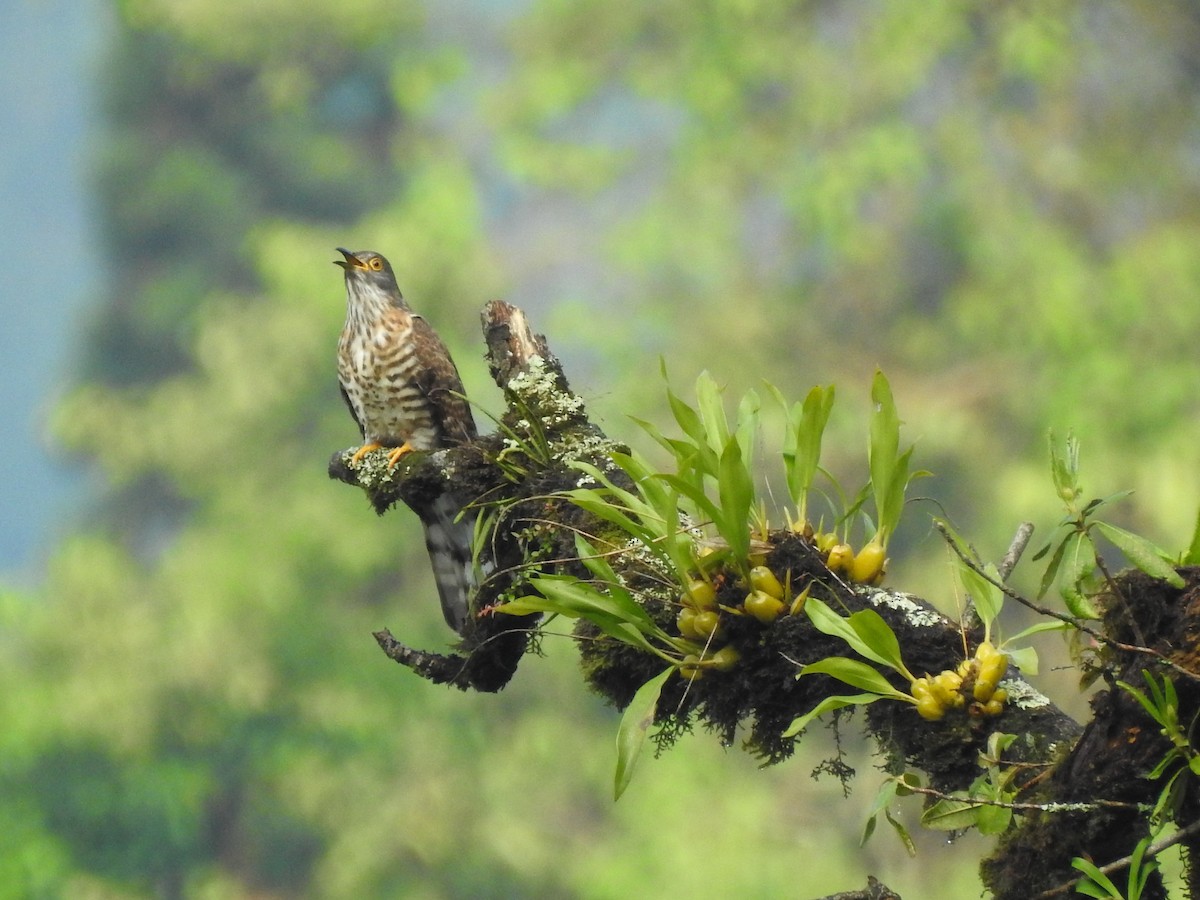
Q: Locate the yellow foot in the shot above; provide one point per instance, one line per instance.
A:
(394, 456)
(363, 451)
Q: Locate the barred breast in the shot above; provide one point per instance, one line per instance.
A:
(379, 370)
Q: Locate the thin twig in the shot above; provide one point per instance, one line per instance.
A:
(1117, 864)
(1062, 617)
(1083, 806)
(1019, 542)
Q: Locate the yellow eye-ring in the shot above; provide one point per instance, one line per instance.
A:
(376, 263)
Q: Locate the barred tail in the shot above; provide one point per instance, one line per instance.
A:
(449, 545)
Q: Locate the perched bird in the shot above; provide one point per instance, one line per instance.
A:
(404, 391)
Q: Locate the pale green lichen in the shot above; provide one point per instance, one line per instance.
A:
(538, 388)
(1068, 807)
(917, 615)
(1022, 695)
(590, 448)
(372, 469)
(637, 551)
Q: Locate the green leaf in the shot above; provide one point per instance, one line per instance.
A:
(802, 441)
(883, 459)
(988, 598)
(854, 673)
(711, 406)
(865, 631)
(889, 506)
(998, 742)
(868, 830)
(635, 725)
(828, 622)
(885, 795)
(1039, 628)
(736, 490)
(951, 813)
(1141, 698)
(695, 494)
(907, 784)
(584, 598)
(1142, 553)
(687, 417)
(877, 634)
(885, 430)
(1025, 659)
(829, 704)
(1192, 557)
(1065, 469)
(888, 792)
(994, 819)
(1079, 559)
(747, 423)
(902, 833)
(1052, 568)
(625, 606)
(615, 627)
(1101, 885)
(1139, 874)
(619, 617)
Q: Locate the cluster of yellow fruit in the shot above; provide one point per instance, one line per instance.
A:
(699, 617)
(867, 566)
(935, 694)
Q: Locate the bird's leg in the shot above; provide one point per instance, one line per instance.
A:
(394, 455)
(363, 451)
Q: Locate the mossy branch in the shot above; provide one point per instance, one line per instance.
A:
(518, 476)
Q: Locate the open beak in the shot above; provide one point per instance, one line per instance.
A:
(350, 262)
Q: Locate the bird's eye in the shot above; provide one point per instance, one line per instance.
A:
(376, 264)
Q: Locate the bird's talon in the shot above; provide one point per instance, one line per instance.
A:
(363, 451)
(394, 456)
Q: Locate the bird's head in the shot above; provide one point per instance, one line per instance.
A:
(368, 275)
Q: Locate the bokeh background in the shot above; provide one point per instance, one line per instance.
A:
(997, 202)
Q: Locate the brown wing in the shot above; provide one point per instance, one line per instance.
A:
(350, 406)
(439, 381)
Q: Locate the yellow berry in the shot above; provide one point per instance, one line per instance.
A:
(686, 623)
(920, 688)
(929, 708)
(993, 668)
(763, 607)
(699, 595)
(707, 623)
(985, 650)
(763, 579)
(840, 557)
(725, 659)
(825, 542)
(868, 564)
(945, 687)
(690, 668)
(993, 707)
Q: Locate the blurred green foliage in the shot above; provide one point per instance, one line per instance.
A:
(997, 202)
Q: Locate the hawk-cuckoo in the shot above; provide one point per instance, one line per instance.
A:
(401, 385)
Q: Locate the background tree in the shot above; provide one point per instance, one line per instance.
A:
(973, 196)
